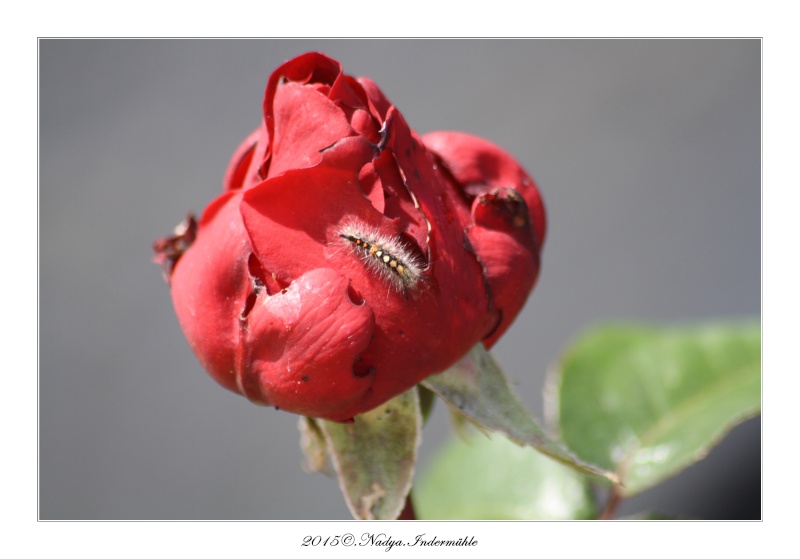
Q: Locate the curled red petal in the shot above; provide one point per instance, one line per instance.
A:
(365, 125)
(480, 166)
(311, 67)
(299, 109)
(210, 284)
(238, 171)
(452, 260)
(503, 240)
(299, 347)
(370, 184)
(378, 103)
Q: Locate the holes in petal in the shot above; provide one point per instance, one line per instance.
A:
(354, 296)
(262, 278)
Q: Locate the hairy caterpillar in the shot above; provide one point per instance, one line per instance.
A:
(385, 256)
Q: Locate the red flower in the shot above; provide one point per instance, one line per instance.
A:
(347, 259)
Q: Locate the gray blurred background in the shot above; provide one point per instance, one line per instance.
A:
(647, 154)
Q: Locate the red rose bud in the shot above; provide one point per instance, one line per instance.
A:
(347, 260)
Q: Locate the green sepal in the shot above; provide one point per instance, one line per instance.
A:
(374, 457)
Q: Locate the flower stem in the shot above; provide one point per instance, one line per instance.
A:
(611, 505)
(408, 510)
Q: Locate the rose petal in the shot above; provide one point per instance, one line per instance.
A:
(292, 218)
(301, 345)
(378, 103)
(417, 333)
(480, 166)
(452, 263)
(209, 286)
(504, 242)
(298, 110)
(237, 172)
(370, 184)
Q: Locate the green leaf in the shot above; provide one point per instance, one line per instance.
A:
(374, 457)
(476, 388)
(648, 402)
(312, 443)
(426, 401)
(495, 479)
